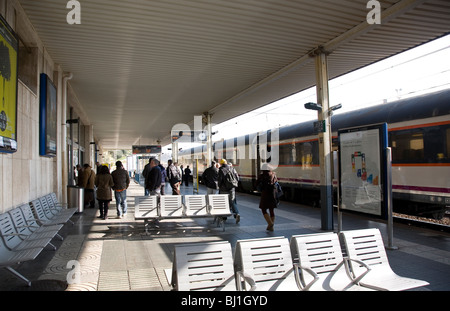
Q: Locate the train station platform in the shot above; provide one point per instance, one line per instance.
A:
(119, 254)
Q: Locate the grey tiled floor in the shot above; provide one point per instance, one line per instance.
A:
(122, 255)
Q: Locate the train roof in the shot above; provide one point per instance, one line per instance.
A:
(419, 107)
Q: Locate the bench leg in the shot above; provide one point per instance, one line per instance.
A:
(18, 275)
(220, 222)
(52, 246)
(148, 221)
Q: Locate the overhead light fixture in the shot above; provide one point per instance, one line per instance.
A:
(313, 106)
(336, 107)
(317, 107)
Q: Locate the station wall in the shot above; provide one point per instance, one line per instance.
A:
(24, 174)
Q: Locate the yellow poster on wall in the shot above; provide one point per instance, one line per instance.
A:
(8, 87)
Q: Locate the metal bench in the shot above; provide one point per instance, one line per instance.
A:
(205, 266)
(54, 201)
(45, 216)
(321, 256)
(171, 206)
(50, 207)
(26, 224)
(268, 262)
(367, 246)
(59, 208)
(8, 258)
(146, 208)
(219, 208)
(196, 206)
(17, 247)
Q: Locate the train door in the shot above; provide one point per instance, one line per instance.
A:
(255, 158)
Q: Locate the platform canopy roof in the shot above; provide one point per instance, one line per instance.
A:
(141, 66)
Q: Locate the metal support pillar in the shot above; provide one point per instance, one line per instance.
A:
(209, 144)
(388, 197)
(325, 155)
(175, 152)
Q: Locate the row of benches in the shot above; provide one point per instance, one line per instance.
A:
(27, 229)
(308, 262)
(172, 206)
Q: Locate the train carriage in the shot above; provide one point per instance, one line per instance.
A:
(419, 135)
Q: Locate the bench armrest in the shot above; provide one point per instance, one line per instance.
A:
(242, 277)
(300, 279)
(355, 279)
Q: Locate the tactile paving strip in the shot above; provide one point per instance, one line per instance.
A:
(113, 281)
(128, 280)
(143, 278)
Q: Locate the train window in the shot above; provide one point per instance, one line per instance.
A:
(407, 146)
(421, 145)
(286, 154)
(234, 157)
(436, 141)
(310, 153)
(300, 153)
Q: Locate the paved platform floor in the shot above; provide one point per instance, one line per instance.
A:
(122, 255)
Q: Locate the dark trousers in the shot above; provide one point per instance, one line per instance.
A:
(175, 188)
(89, 198)
(103, 207)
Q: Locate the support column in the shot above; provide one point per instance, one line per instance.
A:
(174, 152)
(325, 155)
(66, 169)
(209, 151)
(88, 147)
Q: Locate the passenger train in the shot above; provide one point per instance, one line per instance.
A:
(419, 136)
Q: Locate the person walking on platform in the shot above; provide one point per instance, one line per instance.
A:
(209, 178)
(121, 181)
(163, 178)
(87, 181)
(268, 202)
(104, 183)
(187, 175)
(174, 176)
(145, 172)
(181, 169)
(227, 181)
(153, 179)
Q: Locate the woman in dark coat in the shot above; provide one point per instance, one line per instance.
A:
(266, 185)
(104, 183)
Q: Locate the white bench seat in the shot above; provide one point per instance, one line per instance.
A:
(204, 266)
(321, 256)
(367, 246)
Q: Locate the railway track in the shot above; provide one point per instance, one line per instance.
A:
(434, 224)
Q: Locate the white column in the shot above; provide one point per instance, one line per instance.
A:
(325, 155)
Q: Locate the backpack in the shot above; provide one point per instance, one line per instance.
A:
(278, 192)
(230, 180)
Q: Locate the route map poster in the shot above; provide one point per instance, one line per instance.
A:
(9, 47)
(363, 168)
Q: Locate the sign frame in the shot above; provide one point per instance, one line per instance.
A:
(364, 190)
(48, 114)
(146, 149)
(9, 73)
